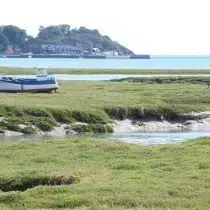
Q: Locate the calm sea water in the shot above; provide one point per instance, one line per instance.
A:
(156, 62)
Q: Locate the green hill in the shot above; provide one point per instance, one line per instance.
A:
(73, 40)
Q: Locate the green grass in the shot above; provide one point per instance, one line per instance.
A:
(104, 175)
(92, 128)
(100, 102)
(28, 71)
(111, 96)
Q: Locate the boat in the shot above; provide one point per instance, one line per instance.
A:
(42, 83)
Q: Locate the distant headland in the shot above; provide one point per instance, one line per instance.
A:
(59, 40)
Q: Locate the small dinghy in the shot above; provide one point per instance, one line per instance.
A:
(42, 83)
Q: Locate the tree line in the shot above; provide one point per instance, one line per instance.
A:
(81, 38)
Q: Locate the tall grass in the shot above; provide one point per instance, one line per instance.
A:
(47, 118)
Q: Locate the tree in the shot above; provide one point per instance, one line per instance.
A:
(15, 35)
(4, 42)
(49, 32)
(65, 29)
(80, 39)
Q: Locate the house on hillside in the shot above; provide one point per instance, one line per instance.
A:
(95, 51)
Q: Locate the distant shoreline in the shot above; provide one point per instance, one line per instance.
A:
(78, 56)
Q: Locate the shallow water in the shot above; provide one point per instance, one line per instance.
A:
(156, 62)
(156, 137)
(87, 77)
(102, 77)
(140, 138)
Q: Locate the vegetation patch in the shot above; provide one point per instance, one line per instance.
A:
(92, 128)
(45, 126)
(29, 130)
(47, 118)
(10, 126)
(166, 80)
(138, 113)
(26, 182)
(98, 103)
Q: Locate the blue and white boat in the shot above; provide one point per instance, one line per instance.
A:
(42, 83)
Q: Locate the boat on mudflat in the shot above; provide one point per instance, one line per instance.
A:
(42, 83)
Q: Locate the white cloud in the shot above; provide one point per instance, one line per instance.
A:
(146, 26)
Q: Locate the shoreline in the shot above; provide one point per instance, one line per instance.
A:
(94, 105)
(195, 121)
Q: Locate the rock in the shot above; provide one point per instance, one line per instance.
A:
(67, 127)
(1, 131)
(28, 124)
(179, 126)
(12, 133)
(70, 132)
(22, 126)
(189, 122)
(207, 120)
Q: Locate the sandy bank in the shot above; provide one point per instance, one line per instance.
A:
(200, 122)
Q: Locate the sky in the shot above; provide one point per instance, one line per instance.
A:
(157, 27)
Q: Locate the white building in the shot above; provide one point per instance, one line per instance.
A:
(111, 53)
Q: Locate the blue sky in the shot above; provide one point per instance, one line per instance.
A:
(145, 26)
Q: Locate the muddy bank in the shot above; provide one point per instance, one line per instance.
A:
(61, 130)
(198, 122)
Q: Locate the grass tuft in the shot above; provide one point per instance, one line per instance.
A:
(26, 182)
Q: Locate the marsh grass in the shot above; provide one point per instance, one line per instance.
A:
(167, 80)
(46, 118)
(31, 181)
(29, 130)
(100, 102)
(112, 175)
(92, 128)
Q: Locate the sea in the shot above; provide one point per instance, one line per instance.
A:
(156, 62)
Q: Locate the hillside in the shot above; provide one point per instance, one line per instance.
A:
(58, 39)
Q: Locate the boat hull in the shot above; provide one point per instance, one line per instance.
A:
(27, 86)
